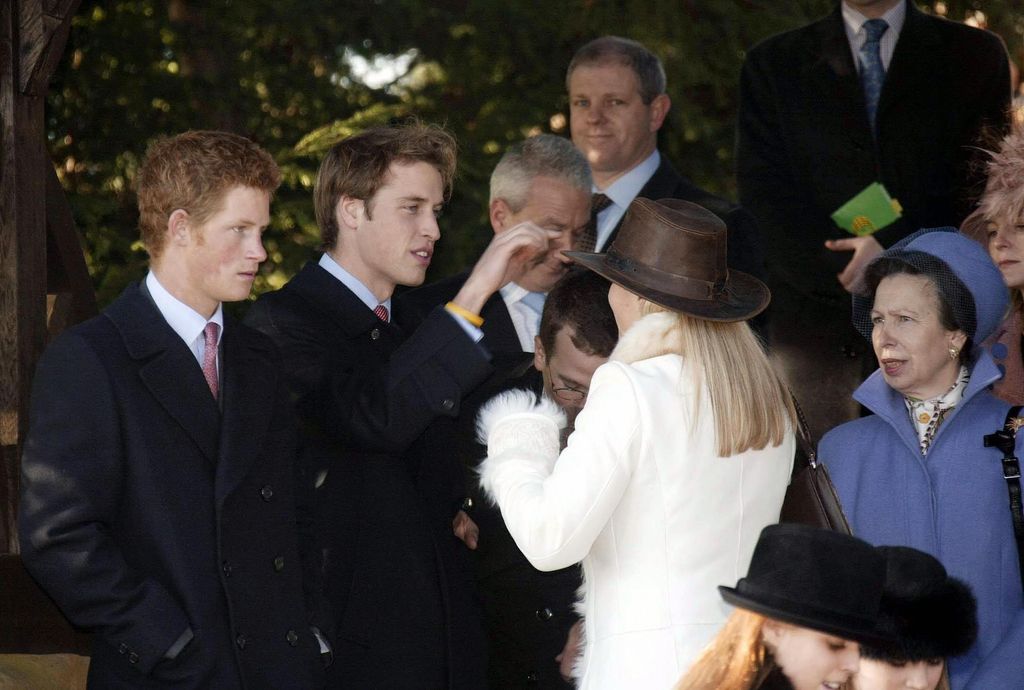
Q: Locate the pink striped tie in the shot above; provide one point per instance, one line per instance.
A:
(382, 313)
(210, 357)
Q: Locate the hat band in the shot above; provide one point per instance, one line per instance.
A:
(663, 281)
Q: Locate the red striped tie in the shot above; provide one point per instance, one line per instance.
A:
(382, 313)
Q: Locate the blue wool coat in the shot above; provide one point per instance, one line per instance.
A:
(952, 503)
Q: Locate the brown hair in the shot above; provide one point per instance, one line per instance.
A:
(735, 660)
(193, 171)
(356, 167)
(650, 74)
(579, 301)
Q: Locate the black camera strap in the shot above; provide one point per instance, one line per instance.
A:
(1005, 440)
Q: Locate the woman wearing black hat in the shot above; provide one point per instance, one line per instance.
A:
(929, 616)
(680, 457)
(810, 599)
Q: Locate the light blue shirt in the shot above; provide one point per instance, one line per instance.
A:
(367, 297)
(184, 320)
(855, 34)
(622, 192)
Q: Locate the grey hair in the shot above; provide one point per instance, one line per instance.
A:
(544, 154)
(650, 73)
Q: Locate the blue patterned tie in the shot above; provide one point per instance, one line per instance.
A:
(872, 72)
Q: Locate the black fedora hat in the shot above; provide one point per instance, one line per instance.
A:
(814, 578)
(929, 614)
(673, 253)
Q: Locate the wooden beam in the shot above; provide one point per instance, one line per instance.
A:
(24, 166)
(43, 33)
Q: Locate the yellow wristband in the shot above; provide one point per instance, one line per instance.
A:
(474, 319)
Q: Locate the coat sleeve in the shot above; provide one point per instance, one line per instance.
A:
(555, 505)
(1003, 667)
(71, 491)
(369, 407)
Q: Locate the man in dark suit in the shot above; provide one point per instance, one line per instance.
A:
(366, 387)
(543, 180)
(617, 104)
(160, 506)
(807, 144)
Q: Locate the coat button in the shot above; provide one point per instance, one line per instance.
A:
(447, 404)
(266, 493)
(241, 641)
(375, 334)
(122, 649)
(532, 677)
(226, 567)
(133, 658)
(292, 637)
(467, 504)
(544, 614)
(279, 564)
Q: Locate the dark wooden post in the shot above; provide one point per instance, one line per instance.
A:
(42, 271)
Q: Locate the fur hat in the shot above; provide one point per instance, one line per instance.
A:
(928, 614)
(1004, 189)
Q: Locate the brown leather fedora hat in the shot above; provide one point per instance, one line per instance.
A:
(672, 253)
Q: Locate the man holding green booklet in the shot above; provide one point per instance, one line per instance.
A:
(854, 132)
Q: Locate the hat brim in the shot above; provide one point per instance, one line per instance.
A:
(800, 614)
(744, 296)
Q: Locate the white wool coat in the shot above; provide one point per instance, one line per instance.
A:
(641, 497)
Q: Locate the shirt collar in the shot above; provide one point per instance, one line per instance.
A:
(854, 20)
(352, 283)
(512, 292)
(627, 187)
(183, 319)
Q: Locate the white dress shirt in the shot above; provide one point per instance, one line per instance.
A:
(855, 34)
(186, 321)
(524, 318)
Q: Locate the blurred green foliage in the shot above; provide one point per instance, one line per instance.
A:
(292, 75)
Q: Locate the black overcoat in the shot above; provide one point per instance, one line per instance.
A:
(146, 511)
(365, 391)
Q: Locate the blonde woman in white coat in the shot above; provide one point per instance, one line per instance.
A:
(681, 455)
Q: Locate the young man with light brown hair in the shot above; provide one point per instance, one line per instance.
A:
(366, 387)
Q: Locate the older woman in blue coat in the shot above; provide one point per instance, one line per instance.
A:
(917, 472)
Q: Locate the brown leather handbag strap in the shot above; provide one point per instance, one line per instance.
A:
(803, 434)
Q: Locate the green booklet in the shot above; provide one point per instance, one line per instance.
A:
(869, 211)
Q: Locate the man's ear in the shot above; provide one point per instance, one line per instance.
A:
(499, 213)
(348, 211)
(540, 359)
(659, 110)
(178, 227)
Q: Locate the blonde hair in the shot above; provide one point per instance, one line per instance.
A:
(735, 660)
(752, 405)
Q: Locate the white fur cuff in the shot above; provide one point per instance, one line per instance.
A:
(514, 403)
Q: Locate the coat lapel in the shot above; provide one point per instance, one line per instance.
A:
(499, 331)
(167, 368)
(831, 71)
(250, 376)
